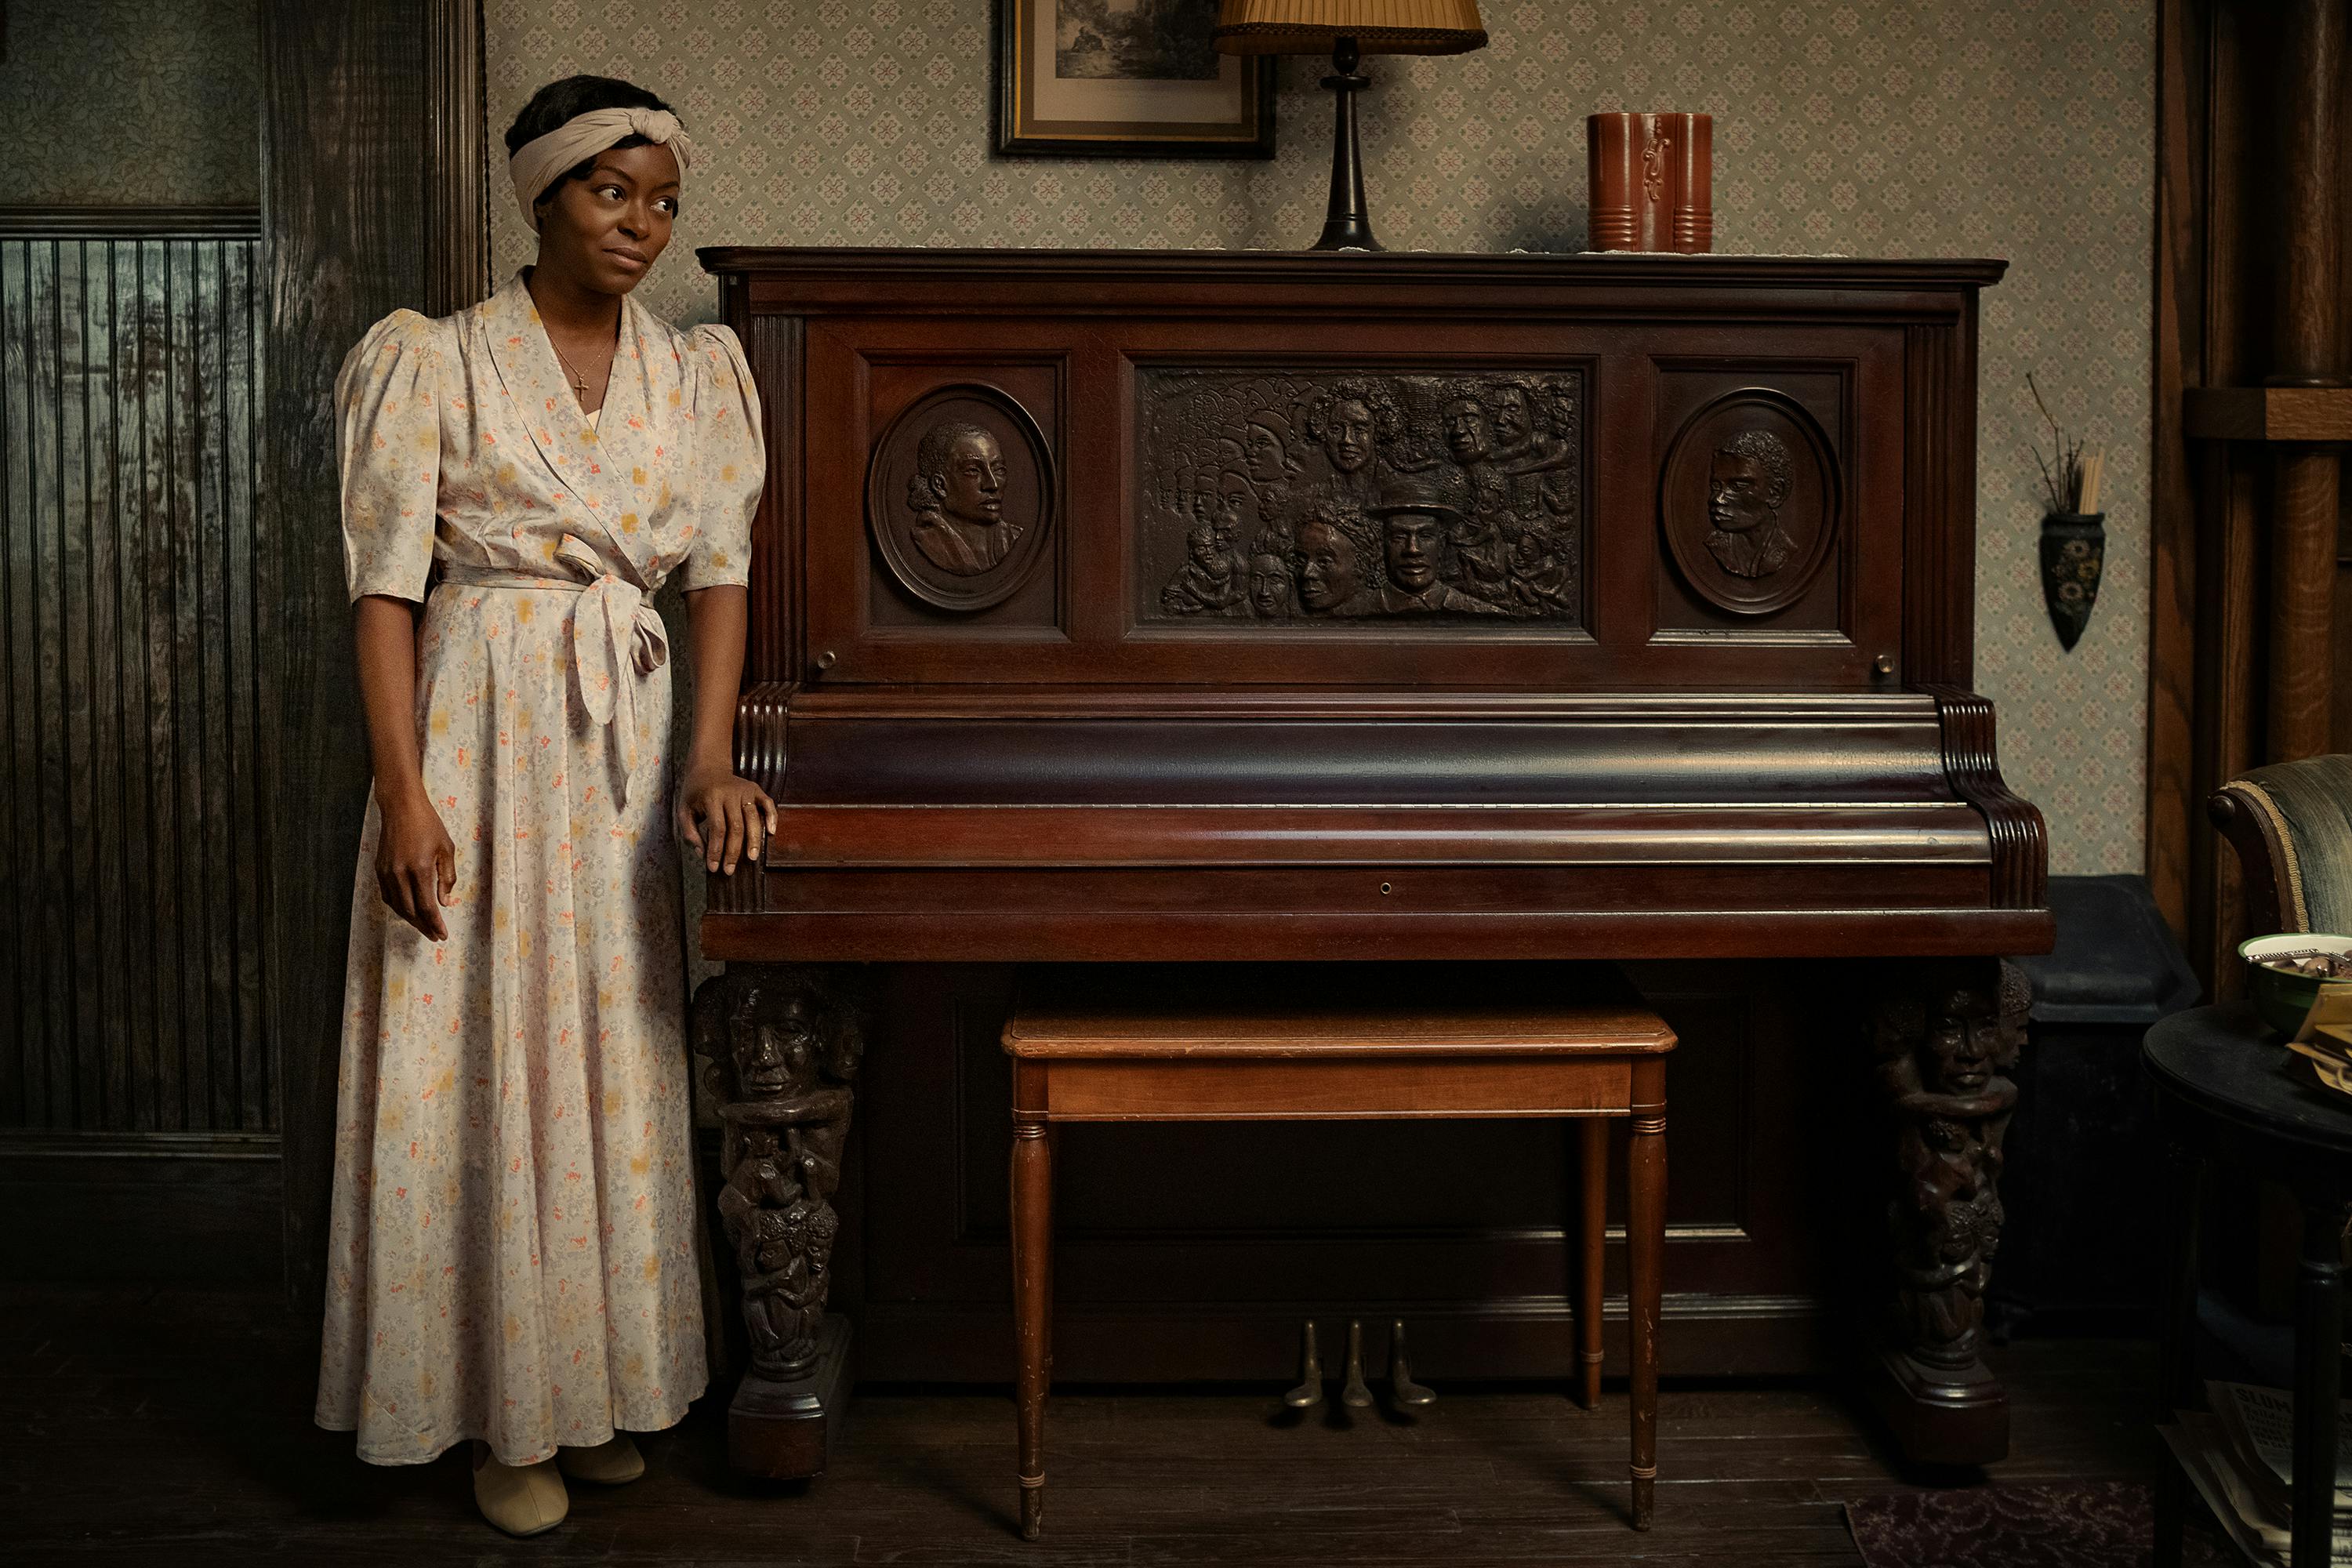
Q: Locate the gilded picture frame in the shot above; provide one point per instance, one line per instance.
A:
(1105, 79)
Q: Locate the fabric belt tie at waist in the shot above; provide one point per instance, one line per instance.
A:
(613, 630)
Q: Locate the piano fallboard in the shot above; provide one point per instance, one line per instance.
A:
(1072, 826)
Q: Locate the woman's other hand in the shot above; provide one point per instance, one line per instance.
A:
(416, 864)
(727, 819)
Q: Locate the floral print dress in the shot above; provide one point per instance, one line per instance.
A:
(511, 1253)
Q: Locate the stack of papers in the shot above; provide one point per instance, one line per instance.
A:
(2241, 1460)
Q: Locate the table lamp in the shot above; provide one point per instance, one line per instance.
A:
(1349, 30)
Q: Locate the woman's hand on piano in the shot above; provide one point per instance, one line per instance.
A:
(726, 818)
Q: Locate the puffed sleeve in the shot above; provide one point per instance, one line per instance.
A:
(730, 462)
(388, 408)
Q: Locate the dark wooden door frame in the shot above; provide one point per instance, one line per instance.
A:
(457, 188)
(372, 199)
(2180, 331)
(2244, 667)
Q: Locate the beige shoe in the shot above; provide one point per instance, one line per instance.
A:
(522, 1500)
(607, 1464)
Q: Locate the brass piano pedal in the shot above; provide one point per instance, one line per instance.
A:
(1310, 1392)
(1356, 1393)
(1407, 1393)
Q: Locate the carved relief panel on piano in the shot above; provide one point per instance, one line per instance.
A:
(1152, 494)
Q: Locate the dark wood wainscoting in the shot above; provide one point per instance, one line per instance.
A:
(137, 1092)
(1191, 1252)
(129, 359)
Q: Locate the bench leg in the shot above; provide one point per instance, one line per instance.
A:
(1592, 1137)
(1645, 1235)
(1033, 1305)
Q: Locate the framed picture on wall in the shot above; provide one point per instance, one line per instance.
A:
(1126, 79)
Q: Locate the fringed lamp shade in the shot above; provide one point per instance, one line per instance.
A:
(1379, 26)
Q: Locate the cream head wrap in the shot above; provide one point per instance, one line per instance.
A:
(536, 164)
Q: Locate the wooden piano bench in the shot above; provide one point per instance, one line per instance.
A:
(1171, 1050)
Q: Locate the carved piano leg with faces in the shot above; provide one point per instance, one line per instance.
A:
(779, 1045)
(1945, 1038)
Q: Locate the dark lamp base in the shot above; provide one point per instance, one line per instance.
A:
(1347, 226)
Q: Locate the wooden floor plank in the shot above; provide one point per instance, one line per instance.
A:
(205, 1399)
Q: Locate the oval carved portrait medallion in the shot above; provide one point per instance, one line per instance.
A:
(959, 497)
(1749, 500)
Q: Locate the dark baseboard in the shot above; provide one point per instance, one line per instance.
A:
(183, 1208)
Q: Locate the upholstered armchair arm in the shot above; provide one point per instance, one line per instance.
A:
(2290, 825)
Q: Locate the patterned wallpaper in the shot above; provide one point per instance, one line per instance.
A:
(129, 103)
(2023, 128)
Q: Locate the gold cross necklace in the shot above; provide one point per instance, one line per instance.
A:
(578, 381)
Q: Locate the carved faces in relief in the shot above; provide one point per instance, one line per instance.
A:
(1269, 583)
(1473, 460)
(1237, 504)
(1409, 543)
(1266, 450)
(1963, 1043)
(1201, 499)
(1468, 436)
(773, 1056)
(1330, 570)
(1214, 579)
(967, 474)
(1513, 423)
(1201, 545)
(796, 1243)
(957, 496)
(1748, 480)
(1351, 421)
(1559, 408)
(1741, 491)
(1348, 435)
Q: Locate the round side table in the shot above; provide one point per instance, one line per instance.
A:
(2230, 1092)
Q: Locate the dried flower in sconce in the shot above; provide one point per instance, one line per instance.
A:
(2074, 531)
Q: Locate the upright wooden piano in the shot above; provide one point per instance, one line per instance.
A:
(1273, 608)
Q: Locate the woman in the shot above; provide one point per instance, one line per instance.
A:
(512, 1250)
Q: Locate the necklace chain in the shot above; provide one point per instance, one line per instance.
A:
(578, 381)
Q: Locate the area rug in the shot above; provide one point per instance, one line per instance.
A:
(2074, 1524)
